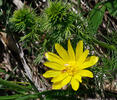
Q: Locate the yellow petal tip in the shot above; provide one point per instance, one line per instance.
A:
(44, 75)
(81, 41)
(97, 58)
(56, 44)
(46, 54)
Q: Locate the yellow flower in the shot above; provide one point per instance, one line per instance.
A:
(69, 66)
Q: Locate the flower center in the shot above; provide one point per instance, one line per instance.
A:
(71, 70)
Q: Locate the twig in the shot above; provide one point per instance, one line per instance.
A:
(18, 3)
(25, 65)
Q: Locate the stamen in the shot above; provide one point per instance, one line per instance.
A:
(71, 70)
(66, 64)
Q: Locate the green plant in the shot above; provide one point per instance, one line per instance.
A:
(58, 21)
(23, 20)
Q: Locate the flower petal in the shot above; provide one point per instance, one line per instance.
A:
(66, 81)
(79, 49)
(82, 57)
(85, 73)
(57, 85)
(54, 65)
(54, 58)
(60, 77)
(51, 73)
(62, 52)
(71, 51)
(75, 84)
(90, 61)
(60, 84)
(78, 77)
